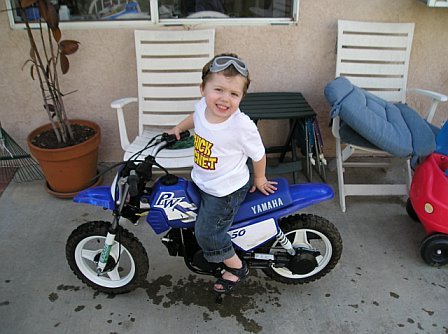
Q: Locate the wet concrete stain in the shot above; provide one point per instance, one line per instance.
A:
(206, 316)
(394, 295)
(439, 285)
(430, 313)
(53, 297)
(197, 291)
(5, 302)
(125, 323)
(79, 308)
(63, 287)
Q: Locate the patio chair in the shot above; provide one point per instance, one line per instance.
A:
(169, 70)
(374, 57)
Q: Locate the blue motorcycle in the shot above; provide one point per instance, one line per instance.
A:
(267, 232)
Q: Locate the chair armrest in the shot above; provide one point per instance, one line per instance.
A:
(335, 127)
(119, 105)
(436, 98)
(429, 93)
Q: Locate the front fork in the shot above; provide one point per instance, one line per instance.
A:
(123, 187)
(110, 238)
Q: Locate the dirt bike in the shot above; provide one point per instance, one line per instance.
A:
(267, 231)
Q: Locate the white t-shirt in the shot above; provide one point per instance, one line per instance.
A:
(221, 151)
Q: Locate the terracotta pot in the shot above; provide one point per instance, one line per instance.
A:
(70, 169)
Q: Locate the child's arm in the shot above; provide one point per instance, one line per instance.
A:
(260, 182)
(185, 125)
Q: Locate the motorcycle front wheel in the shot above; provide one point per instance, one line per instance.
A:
(309, 232)
(126, 268)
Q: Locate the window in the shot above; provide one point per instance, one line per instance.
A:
(114, 13)
(436, 3)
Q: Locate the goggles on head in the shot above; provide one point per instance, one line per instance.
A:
(221, 63)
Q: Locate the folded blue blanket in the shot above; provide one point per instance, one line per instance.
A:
(368, 120)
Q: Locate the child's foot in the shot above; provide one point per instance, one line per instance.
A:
(230, 278)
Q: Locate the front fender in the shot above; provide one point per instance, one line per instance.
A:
(98, 196)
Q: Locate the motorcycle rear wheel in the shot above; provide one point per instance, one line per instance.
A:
(126, 268)
(318, 233)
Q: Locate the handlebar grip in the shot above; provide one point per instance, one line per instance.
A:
(184, 135)
(133, 185)
(170, 139)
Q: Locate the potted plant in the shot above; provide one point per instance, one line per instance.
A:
(67, 150)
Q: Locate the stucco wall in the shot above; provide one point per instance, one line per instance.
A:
(281, 58)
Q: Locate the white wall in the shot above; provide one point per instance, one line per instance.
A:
(281, 58)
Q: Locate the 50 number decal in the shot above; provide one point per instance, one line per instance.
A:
(238, 233)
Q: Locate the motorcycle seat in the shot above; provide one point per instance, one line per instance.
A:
(257, 204)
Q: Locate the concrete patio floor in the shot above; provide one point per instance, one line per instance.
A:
(381, 284)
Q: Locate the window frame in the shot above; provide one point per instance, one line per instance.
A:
(436, 3)
(156, 22)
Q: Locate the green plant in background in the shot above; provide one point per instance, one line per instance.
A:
(48, 52)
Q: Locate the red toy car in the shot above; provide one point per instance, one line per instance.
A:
(428, 203)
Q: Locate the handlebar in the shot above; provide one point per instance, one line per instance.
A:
(143, 171)
(133, 183)
(171, 139)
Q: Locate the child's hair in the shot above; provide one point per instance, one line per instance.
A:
(230, 71)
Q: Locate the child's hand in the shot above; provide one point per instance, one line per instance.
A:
(263, 185)
(175, 131)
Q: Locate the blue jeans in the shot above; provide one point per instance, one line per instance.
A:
(214, 219)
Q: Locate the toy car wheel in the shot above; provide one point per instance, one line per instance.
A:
(411, 212)
(434, 250)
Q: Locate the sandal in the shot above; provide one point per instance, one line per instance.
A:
(228, 285)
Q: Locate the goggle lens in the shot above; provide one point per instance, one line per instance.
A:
(221, 63)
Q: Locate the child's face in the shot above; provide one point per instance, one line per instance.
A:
(222, 96)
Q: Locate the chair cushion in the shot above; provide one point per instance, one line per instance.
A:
(442, 140)
(394, 128)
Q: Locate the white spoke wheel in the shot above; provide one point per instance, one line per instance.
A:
(308, 232)
(126, 268)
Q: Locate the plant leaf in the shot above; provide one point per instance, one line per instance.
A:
(68, 47)
(65, 65)
(27, 3)
(56, 34)
(43, 9)
(47, 70)
(52, 16)
(32, 71)
(32, 54)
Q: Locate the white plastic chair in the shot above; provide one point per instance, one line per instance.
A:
(169, 70)
(375, 57)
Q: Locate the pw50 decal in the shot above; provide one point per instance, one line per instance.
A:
(253, 235)
(176, 208)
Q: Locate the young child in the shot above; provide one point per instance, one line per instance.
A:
(224, 139)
